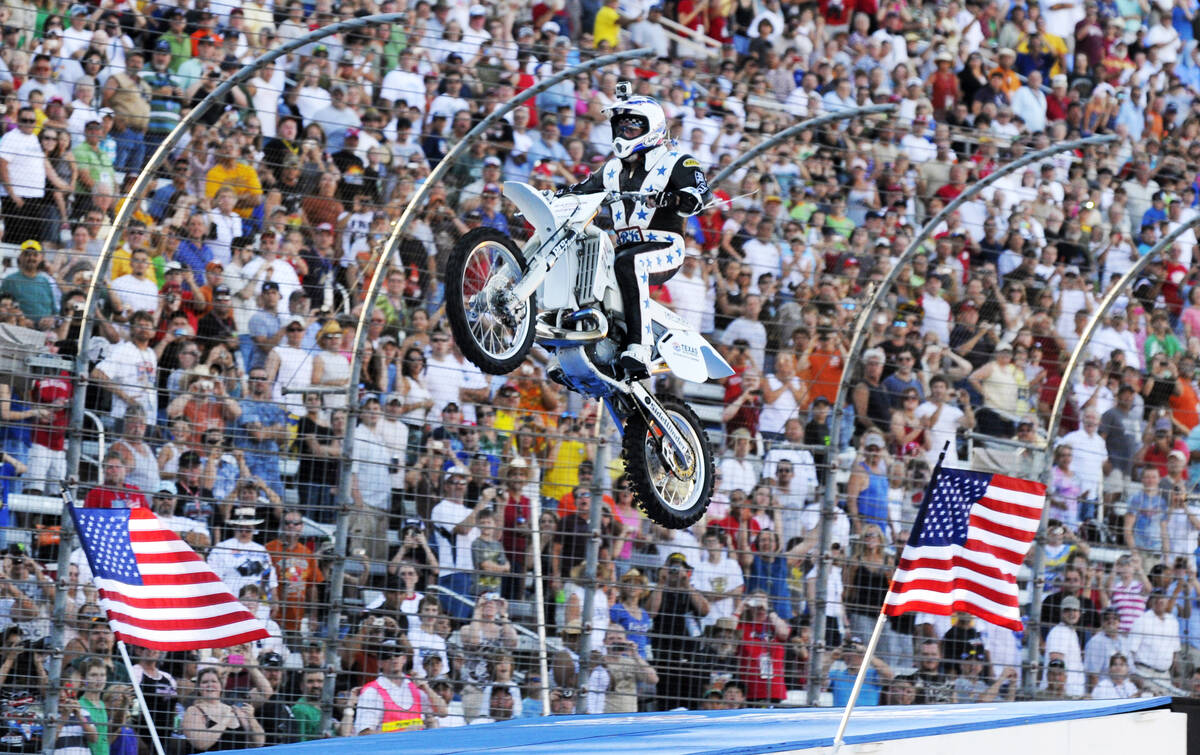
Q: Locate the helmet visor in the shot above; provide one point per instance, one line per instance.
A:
(630, 126)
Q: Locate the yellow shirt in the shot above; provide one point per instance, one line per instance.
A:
(606, 27)
(562, 472)
(241, 178)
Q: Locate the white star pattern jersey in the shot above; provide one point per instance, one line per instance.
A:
(660, 161)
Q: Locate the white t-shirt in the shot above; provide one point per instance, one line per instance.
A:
(454, 550)
(1063, 641)
(26, 164)
(135, 371)
(725, 576)
(689, 298)
(137, 294)
(944, 429)
(230, 558)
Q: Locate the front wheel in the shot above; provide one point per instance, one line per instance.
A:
(673, 501)
(491, 329)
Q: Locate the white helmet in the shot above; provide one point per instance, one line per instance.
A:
(653, 121)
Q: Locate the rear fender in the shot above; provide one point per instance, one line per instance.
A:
(691, 357)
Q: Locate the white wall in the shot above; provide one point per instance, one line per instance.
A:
(1160, 732)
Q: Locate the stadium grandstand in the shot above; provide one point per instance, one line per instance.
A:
(197, 357)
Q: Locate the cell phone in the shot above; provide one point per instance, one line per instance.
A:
(236, 659)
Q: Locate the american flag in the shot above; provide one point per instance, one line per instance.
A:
(155, 590)
(969, 539)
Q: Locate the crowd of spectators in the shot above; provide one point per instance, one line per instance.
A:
(220, 362)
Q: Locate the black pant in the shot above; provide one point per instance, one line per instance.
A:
(623, 267)
(25, 222)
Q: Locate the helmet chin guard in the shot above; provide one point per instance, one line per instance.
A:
(653, 118)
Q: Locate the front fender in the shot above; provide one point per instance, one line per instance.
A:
(533, 205)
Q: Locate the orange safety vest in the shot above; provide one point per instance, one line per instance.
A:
(396, 718)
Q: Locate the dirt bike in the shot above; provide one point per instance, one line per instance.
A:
(561, 291)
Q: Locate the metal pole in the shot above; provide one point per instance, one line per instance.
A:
(791, 131)
(592, 557)
(539, 603)
(1033, 628)
(858, 340)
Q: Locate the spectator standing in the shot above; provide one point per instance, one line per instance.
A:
(1062, 644)
(454, 532)
(130, 370)
(1154, 642)
(23, 169)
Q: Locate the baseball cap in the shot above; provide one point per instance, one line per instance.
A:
(873, 439)
(1162, 425)
(162, 46)
(221, 291)
(270, 286)
(491, 160)
(271, 660)
(678, 559)
(325, 227)
(1071, 603)
(1177, 454)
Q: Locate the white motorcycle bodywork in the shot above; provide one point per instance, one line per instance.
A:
(575, 283)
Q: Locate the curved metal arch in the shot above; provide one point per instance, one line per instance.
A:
(859, 339)
(790, 131)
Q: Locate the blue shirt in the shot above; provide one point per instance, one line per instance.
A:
(265, 413)
(160, 199)
(842, 682)
(772, 578)
(1148, 511)
(195, 257)
(635, 629)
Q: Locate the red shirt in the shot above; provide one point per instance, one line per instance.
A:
(513, 536)
(1159, 459)
(760, 658)
(731, 526)
(56, 392)
(127, 497)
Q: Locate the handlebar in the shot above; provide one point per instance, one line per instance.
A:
(615, 196)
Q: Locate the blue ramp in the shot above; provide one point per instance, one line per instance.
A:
(714, 732)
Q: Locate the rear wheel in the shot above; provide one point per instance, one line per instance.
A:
(674, 501)
(491, 329)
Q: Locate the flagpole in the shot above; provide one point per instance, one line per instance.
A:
(838, 740)
(137, 690)
(858, 681)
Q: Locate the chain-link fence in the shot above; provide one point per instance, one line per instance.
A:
(190, 341)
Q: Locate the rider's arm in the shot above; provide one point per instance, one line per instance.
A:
(590, 185)
(690, 186)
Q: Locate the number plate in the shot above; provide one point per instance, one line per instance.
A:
(629, 236)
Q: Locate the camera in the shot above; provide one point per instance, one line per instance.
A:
(624, 90)
(250, 568)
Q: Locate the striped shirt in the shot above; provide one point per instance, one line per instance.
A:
(1129, 600)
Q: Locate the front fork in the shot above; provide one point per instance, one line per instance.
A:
(680, 458)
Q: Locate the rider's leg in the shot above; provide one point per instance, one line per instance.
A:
(636, 271)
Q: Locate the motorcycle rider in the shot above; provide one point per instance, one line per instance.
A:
(650, 245)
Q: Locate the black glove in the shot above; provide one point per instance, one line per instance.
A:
(668, 200)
